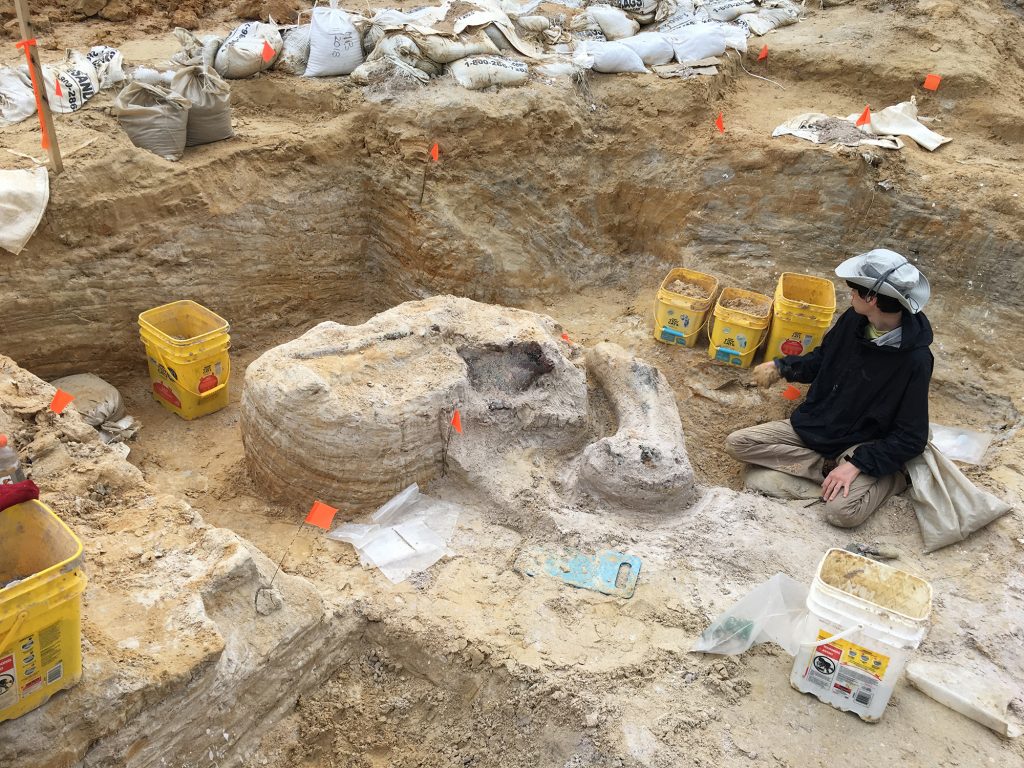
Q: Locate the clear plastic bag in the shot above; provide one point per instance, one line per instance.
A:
(772, 611)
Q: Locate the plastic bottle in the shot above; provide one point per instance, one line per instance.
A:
(10, 467)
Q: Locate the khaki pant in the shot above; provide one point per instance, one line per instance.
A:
(775, 445)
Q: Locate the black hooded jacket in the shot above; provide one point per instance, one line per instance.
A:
(863, 393)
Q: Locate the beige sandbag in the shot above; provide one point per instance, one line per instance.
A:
(24, 194)
(949, 507)
(445, 50)
(209, 119)
(155, 118)
(97, 400)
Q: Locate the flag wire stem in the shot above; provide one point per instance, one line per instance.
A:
(739, 58)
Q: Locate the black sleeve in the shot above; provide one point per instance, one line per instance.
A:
(804, 368)
(909, 434)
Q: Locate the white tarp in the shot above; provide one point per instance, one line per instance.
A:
(901, 120)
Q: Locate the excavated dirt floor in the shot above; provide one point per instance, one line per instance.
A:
(569, 202)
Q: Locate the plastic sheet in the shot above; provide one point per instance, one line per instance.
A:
(772, 611)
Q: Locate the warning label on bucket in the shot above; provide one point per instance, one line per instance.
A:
(8, 682)
(845, 670)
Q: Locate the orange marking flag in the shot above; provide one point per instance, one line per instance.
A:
(763, 54)
(865, 117)
(60, 401)
(321, 515)
(791, 393)
(931, 82)
(719, 124)
(268, 51)
(565, 338)
(457, 421)
(434, 152)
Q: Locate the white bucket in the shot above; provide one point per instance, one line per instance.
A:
(865, 621)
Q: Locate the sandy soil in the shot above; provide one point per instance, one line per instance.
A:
(472, 663)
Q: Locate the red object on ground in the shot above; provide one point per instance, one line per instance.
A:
(60, 401)
(865, 117)
(434, 152)
(931, 82)
(457, 421)
(565, 337)
(763, 54)
(791, 393)
(16, 493)
(720, 124)
(321, 515)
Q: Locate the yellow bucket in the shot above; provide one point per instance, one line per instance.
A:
(187, 349)
(40, 615)
(678, 315)
(804, 306)
(736, 332)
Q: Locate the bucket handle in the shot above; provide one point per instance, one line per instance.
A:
(838, 636)
(200, 395)
(14, 629)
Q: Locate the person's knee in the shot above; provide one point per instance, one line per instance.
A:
(736, 443)
(840, 513)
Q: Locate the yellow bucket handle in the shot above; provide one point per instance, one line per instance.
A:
(207, 393)
(14, 629)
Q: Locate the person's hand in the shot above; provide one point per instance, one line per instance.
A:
(766, 374)
(839, 479)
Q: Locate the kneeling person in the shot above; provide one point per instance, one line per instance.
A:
(866, 412)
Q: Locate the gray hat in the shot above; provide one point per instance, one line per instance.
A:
(887, 273)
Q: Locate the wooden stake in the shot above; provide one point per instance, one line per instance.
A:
(45, 117)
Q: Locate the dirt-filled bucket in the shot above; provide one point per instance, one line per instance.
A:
(187, 350)
(804, 306)
(41, 584)
(865, 621)
(683, 301)
(739, 325)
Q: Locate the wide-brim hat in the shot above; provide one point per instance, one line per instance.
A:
(887, 273)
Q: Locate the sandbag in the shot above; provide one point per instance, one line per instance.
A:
(614, 23)
(651, 47)
(109, 65)
(476, 72)
(17, 101)
(445, 50)
(679, 20)
(613, 57)
(334, 44)
(404, 49)
(767, 19)
(23, 198)
(241, 54)
(949, 507)
(195, 50)
(71, 83)
(155, 118)
(97, 401)
(295, 51)
(727, 10)
(697, 42)
(535, 24)
(209, 118)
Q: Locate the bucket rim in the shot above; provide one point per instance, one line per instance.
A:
(780, 297)
(147, 326)
(46, 575)
(824, 585)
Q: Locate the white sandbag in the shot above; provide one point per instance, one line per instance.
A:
(404, 49)
(901, 120)
(651, 47)
(497, 37)
(334, 44)
(209, 118)
(476, 72)
(109, 65)
(697, 42)
(585, 27)
(23, 198)
(17, 101)
(767, 19)
(727, 10)
(155, 118)
(241, 53)
(71, 83)
(371, 72)
(445, 50)
(96, 400)
(196, 50)
(383, 21)
(614, 23)
(612, 57)
(295, 53)
(681, 19)
(535, 24)
(735, 37)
